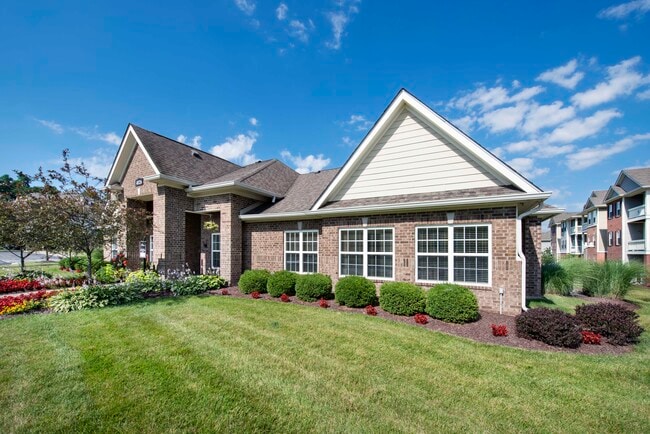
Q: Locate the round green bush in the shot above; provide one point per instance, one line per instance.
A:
(311, 287)
(253, 280)
(401, 298)
(452, 303)
(282, 282)
(355, 291)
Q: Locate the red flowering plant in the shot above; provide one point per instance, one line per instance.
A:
(370, 310)
(499, 330)
(590, 338)
(224, 291)
(421, 318)
(24, 302)
(323, 303)
(119, 261)
(19, 285)
(255, 294)
(285, 298)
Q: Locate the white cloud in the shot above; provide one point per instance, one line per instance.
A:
(359, 122)
(281, 11)
(465, 123)
(584, 127)
(339, 20)
(623, 10)
(484, 98)
(237, 149)
(622, 79)
(246, 6)
(644, 95)
(98, 165)
(308, 164)
(505, 118)
(54, 126)
(565, 75)
(347, 141)
(194, 141)
(93, 134)
(549, 151)
(542, 116)
(526, 166)
(253, 121)
(299, 30)
(587, 157)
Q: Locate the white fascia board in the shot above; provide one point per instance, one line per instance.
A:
(459, 203)
(122, 159)
(549, 212)
(403, 98)
(221, 187)
(172, 181)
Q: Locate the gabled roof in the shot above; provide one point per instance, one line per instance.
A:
(613, 193)
(641, 176)
(596, 200)
(476, 152)
(556, 220)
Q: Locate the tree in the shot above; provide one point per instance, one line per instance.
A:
(88, 216)
(25, 224)
(11, 188)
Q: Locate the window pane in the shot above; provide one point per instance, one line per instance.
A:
(433, 268)
(292, 243)
(380, 266)
(472, 269)
(216, 259)
(351, 265)
(352, 241)
(310, 241)
(292, 262)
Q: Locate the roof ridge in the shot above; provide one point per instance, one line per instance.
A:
(263, 165)
(185, 144)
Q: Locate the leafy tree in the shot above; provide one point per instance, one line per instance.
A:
(11, 188)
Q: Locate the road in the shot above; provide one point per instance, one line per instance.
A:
(7, 258)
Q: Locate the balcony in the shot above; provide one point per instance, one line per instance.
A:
(636, 246)
(636, 212)
(576, 230)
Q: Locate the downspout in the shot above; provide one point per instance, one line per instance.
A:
(520, 251)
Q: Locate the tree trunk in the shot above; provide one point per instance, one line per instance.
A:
(47, 256)
(89, 270)
(22, 260)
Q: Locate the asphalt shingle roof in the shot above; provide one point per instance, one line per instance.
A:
(641, 176)
(176, 159)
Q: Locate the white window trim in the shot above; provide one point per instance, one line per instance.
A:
(451, 254)
(150, 248)
(364, 254)
(212, 235)
(610, 238)
(300, 251)
(617, 238)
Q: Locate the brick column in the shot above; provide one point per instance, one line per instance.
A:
(170, 205)
(532, 237)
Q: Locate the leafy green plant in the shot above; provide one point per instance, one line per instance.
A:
(311, 287)
(281, 282)
(555, 279)
(452, 303)
(146, 281)
(401, 298)
(613, 278)
(193, 285)
(355, 291)
(106, 274)
(94, 296)
(254, 280)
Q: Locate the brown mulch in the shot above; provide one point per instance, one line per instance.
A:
(479, 331)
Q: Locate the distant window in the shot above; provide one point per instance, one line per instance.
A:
(216, 251)
(150, 248)
(610, 211)
(618, 208)
(610, 237)
(618, 238)
(114, 248)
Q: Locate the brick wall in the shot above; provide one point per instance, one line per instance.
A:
(532, 238)
(264, 248)
(614, 252)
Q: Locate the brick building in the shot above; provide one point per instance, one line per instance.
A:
(417, 201)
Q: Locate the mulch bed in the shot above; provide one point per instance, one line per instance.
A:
(480, 331)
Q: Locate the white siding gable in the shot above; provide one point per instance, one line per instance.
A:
(410, 157)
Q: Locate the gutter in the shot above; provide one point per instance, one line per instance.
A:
(520, 252)
(231, 184)
(414, 206)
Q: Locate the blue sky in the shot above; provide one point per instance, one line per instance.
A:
(561, 91)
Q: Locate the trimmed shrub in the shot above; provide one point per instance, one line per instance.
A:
(401, 298)
(311, 287)
(355, 291)
(253, 280)
(550, 326)
(617, 323)
(281, 282)
(452, 303)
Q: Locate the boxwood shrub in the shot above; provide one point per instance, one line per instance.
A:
(617, 323)
(355, 291)
(253, 280)
(550, 326)
(401, 298)
(311, 287)
(452, 303)
(281, 282)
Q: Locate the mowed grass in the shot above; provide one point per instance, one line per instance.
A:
(51, 267)
(553, 301)
(222, 364)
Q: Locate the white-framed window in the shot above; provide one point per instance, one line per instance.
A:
(618, 238)
(368, 252)
(454, 253)
(610, 211)
(150, 248)
(610, 237)
(114, 248)
(618, 208)
(301, 251)
(215, 250)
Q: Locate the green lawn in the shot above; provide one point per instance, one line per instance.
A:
(567, 304)
(211, 364)
(51, 267)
